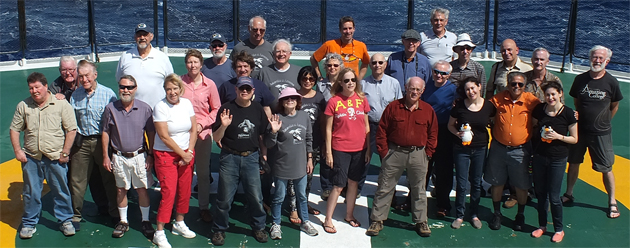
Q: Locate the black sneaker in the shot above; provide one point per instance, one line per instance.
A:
(77, 225)
(495, 224)
(120, 229)
(147, 229)
(325, 195)
(218, 238)
(519, 222)
(260, 236)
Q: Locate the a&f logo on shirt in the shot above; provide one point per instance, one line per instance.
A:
(596, 94)
(349, 107)
(247, 127)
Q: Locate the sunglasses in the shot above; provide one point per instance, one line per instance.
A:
(378, 62)
(331, 65)
(438, 72)
(520, 85)
(122, 87)
(245, 88)
(255, 30)
(347, 80)
(309, 79)
(294, 98)
(217, 45)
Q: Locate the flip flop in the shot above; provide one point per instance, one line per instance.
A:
(295, 220)
(612, 211)
(313, 211)
(353, 223)
(329, 229)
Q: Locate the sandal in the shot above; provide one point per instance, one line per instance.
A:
(567, 199)
(313, 211)
(613, 213)
(294, 218)
(353, 222)
(329, 229)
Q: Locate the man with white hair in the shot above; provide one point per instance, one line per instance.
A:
(596, 95)
(256, 45)
(281, 74)
(66, 83)
(147, 65)
(539, 76)
(437, 43)
(219, 67)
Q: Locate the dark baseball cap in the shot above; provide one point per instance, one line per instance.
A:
(143, 27)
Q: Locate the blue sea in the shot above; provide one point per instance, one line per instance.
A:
(55, 28)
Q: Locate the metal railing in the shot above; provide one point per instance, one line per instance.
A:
(101, 28)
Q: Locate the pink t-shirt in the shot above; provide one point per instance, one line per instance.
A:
(348, 131)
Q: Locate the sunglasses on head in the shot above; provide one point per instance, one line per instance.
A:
(331, 65)
(378, 62)
(443, 73)
(245, 88)
(217, 45)
(520, 85)
(347, 80)
(131, 87)
(309, 79)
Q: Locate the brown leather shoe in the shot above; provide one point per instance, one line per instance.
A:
(423, 229)
(206, 216)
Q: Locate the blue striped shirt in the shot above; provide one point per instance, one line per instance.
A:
(379, 94)
(89, 108)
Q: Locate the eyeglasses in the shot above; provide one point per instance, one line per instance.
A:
(443, 73)
(255, 30)
(468, 48)
(520, 85)
(131, 87)
(331, 65)
(309, 79)
(245, 88)
(347, 80)
(378, 62)
(281, 51)
(217, 45)
(68, 70)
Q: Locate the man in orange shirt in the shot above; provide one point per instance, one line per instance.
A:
(510, 150)
(351, 50)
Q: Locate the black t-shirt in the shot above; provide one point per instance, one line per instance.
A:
(478, 121)
(314, 107)
(595, 96)
(559, 123)
(247, 124)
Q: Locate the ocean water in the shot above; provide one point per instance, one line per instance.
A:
(56, 28)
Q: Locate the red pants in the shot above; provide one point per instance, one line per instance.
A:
(175, 181)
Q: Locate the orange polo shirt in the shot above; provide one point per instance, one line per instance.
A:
(512, 123)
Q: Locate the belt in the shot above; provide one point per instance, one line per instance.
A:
(406, 148)
(91, 136)
(511, 147)
(128, 154)
(244, 154)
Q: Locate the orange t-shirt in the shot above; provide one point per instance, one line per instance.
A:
(351, 53)
(512, 123)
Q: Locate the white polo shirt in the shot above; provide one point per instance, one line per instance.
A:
(149, 73)
(437, 48)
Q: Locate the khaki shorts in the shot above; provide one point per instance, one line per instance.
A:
(128, 171)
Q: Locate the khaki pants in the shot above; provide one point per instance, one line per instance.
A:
(392, 167)
(87, 157)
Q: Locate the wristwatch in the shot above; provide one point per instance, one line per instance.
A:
(63, 154)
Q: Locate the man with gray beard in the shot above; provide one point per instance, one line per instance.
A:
(219, 67)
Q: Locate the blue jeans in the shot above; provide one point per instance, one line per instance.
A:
(232, 170)
(548, 174)
(34, 172)
(468, 168)
(278, 198)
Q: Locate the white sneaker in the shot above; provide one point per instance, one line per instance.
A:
(182, 229)
(275, 231)
(159, 238)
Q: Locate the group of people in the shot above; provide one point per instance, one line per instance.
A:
(422, 110)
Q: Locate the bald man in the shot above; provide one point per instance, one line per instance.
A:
(511, 62)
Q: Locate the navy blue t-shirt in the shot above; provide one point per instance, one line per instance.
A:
(262, 95)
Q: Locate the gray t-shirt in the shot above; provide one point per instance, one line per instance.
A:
(290, 145)
(276, 80)
(218, 73)
(263, 54)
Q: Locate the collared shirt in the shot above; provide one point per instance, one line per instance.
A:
(498, 74)
(324, 87)
(126, 129)
(537, 90)
(351, 53)
(59, 86)
(379, 94)
(437, 48)
(400, 68)
(149, 73)
(404, 127)
(89, 108)
(513, 121)
(44, 127)
(205, 101)
(472, 69)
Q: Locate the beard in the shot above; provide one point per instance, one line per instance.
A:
(142, 45)
(218, 54)
(126, 98)
(597, 68)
